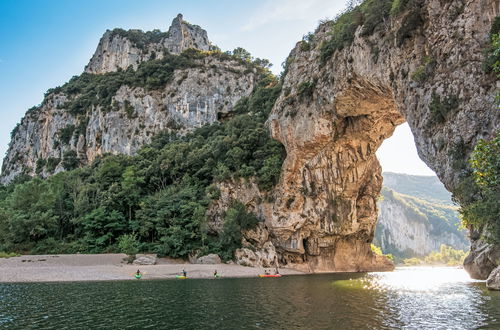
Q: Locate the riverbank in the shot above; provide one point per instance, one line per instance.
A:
(99, 267)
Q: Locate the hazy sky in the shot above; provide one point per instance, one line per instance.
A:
(44, 43)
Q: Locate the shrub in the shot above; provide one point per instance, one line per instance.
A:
(66, 133)
(305, 89)
(8, 255)
(411, 22)
(375, 12)
(52, 163)
(40, 164)
(236, 220)
(492, 51)
(480, 206)
(129, 110)
(342, 33)
(129, 245)
(419, 75)
(70, 160)
(441, 108)
(14, 131)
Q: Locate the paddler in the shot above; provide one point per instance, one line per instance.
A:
(184, 273)
(215, 273)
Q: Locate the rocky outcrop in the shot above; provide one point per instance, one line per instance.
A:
(482, 258)
(145, 259)
(266, 256)
(120, 49)
(209, 259)
(335, 111)
(493, 281)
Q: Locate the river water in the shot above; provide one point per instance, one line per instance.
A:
(410, 298)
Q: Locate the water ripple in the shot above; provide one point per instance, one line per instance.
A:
(404, 299)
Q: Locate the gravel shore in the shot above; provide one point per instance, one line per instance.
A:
(98, 267)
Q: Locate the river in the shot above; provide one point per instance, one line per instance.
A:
(433, 298)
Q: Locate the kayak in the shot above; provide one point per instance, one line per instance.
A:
(181, 277)
(138, 276)
(269, 275)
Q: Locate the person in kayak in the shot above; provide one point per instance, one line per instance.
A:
(138, 274)
(215, 273)
(184, 273)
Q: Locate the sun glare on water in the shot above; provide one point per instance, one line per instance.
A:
(419, 278)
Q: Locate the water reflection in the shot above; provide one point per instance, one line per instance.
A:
(407, 298)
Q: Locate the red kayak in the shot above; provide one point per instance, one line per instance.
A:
(269, 275)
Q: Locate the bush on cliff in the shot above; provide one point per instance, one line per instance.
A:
(483, 210)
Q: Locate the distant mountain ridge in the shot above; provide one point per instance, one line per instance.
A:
(416, 216)
(428, 188)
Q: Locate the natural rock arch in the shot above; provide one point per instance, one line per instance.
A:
(333, 115)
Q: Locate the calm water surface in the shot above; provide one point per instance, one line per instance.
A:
(434, 298)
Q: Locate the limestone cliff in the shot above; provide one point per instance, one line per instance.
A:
(416, 216)
(119, 49)
(97, 114)
(410, 227)
(341, 98)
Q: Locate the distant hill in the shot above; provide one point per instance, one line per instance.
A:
(428, 188)
(416, 216)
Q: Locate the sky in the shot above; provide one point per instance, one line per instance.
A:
(44, 43)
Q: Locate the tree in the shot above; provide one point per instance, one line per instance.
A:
(243, 54)
(484, 210)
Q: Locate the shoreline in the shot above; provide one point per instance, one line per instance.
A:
(111, 267)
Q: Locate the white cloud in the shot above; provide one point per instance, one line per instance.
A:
(290, 10)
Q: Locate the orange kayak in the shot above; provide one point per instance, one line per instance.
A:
(268, 275)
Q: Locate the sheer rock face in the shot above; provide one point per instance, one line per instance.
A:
(333, 116)
(116, 51)
(195, 97)
(410, 232)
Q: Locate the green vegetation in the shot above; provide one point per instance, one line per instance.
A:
(88, 91)
(140, 38)
(236, 220)
(412, 20)
(492, 52)
(378, 251)
(305, 89)
(447, 256)
(440, 109)
(422, 73)
(441, 218)
(422, 200)
(155, 201)
(8, 255)
(51, 164)
(478, 191)
(479, 198)
(66, 133)
(371, 15)
(427, 188)
(129, 245)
